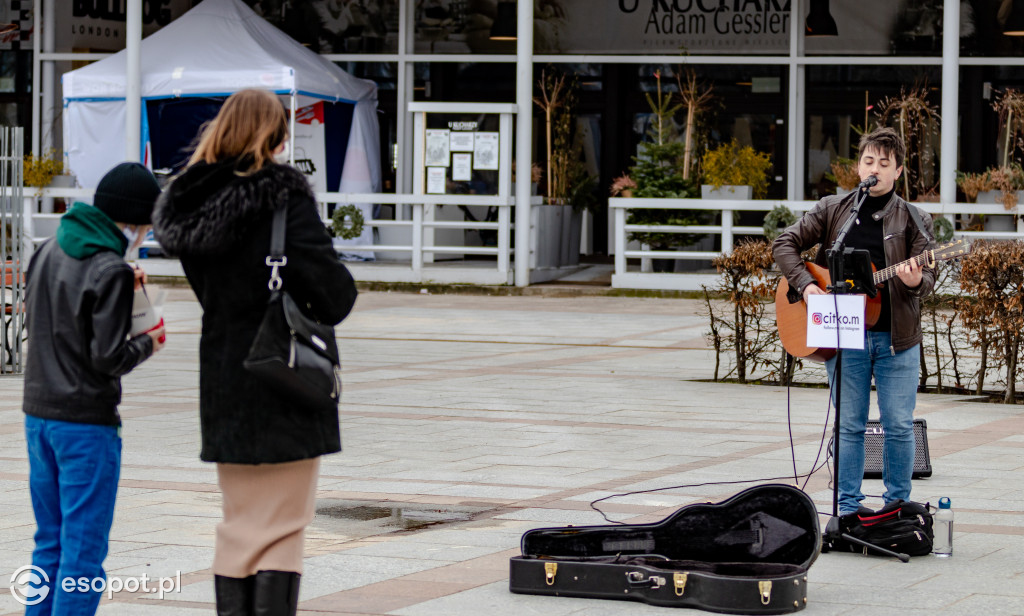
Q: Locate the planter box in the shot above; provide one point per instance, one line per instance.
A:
(704, 244)
(997, 222)
(707, 191)
(990, 196)
(559, 230)
(62, 181)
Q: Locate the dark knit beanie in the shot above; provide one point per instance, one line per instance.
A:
(127, 194)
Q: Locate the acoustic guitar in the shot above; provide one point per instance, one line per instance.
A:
(792, 318)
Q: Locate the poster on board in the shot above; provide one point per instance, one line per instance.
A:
(436, 180)
(462, 141)
(485, 151)
(462, 170)
(437, 148)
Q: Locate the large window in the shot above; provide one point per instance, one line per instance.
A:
(607, 27)
(15, 85)
(983, 24)
(844, 100)
(335, 26)
(881, 27)
(748, 104)
(982, 132)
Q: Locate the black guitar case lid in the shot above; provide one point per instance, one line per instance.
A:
(748, 554)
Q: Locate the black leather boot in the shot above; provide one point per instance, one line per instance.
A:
(234, 595)
(276, 593)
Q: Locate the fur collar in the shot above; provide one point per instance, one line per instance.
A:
(210, 208)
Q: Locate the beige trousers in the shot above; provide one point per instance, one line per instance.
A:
(266, 510)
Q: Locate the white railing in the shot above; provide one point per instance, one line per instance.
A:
(422, 225)
(640, 279)
(420, 210)
(420, 245)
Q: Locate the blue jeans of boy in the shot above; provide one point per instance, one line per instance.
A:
(73, 474)
(896, 377)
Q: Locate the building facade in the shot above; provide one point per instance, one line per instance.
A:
(777, 83)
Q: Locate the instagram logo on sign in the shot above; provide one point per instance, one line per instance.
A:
(816, 318)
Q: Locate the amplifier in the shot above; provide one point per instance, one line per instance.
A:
(874, 438)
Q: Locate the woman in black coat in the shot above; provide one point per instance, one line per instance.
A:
(216, 216)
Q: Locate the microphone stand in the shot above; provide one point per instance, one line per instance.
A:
(836, 257)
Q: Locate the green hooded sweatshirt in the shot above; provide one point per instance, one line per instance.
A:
(86, 230)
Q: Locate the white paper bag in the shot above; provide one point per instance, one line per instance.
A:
(147, 313)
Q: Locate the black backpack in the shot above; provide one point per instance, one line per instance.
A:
(901, 526)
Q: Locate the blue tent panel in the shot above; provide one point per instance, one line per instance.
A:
(337, 128)
(174, 124)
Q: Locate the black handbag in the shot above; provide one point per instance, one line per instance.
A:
(292, 353)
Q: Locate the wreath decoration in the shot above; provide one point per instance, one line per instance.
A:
(776, 220)
(355, 221)
(943, 229)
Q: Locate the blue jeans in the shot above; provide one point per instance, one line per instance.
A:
(73, 474)
(896, 377)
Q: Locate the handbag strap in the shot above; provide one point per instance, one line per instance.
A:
(277, 258)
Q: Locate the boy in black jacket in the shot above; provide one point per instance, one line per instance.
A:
(78, 306)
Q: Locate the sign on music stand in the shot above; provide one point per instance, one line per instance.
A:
(832, 317)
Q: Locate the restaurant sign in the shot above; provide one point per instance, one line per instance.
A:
(666, 26)
(99, 25)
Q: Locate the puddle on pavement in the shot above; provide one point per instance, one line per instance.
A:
(398, 517)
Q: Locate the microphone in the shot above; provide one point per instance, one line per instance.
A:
(868, 183)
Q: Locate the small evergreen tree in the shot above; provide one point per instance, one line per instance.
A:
(658, 173)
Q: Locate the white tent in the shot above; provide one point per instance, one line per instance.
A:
(218, 47)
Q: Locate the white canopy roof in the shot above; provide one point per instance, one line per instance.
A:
(220, 47)
(217, 48)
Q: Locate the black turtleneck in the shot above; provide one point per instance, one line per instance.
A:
(867, 234)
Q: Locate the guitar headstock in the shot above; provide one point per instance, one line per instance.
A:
(952, 250)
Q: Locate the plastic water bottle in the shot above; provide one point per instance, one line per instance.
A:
(943, 544)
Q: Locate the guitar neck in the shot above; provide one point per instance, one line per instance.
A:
(890, 272)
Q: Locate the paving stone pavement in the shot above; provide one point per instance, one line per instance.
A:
(469, 420)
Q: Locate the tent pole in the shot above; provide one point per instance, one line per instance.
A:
(133, 82)
(291, 133)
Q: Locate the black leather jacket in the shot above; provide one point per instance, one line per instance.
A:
(218, 222)
(78, 313)
(902, 239)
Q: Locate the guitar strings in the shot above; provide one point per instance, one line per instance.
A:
(890, 272)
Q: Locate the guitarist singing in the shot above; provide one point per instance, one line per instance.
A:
(888, 229)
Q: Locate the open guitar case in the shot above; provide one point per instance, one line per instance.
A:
(746, 555)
